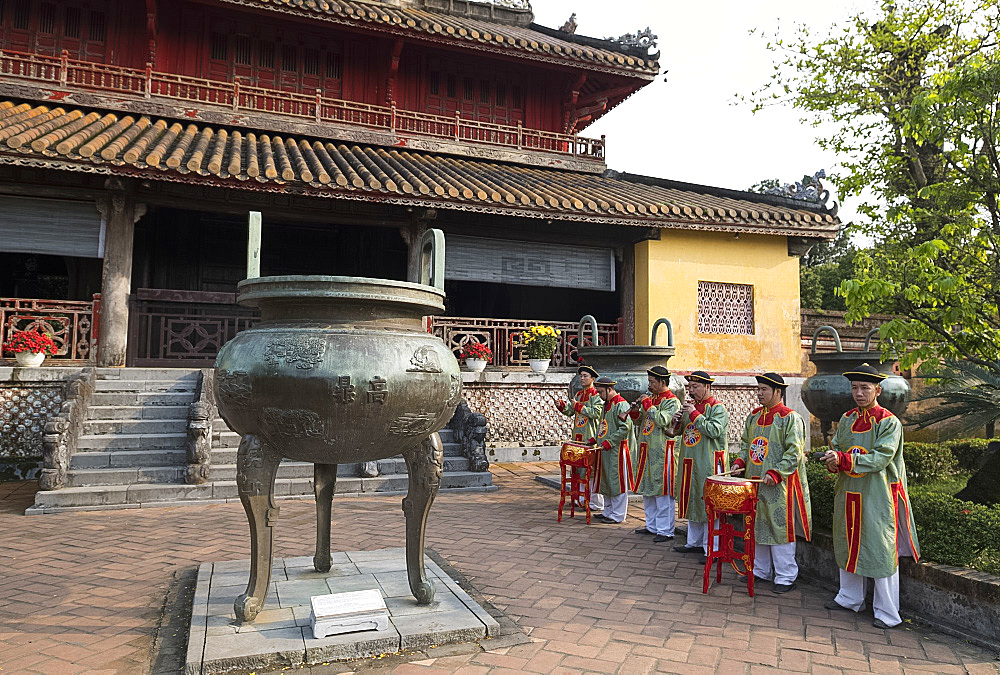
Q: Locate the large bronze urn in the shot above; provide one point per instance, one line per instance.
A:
(338, 369)
(827, 394)
(626, 364)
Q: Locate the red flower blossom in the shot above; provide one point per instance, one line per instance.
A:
(33, 341)
(477, 350)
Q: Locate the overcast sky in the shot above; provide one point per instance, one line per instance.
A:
(686, 127)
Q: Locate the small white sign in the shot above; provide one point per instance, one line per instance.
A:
(338, 613)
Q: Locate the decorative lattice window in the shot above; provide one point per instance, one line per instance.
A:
(725, 308)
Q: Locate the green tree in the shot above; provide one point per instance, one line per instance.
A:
(912, 93)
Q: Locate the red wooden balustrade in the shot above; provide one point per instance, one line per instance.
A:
(71, 324)
(504, 337)
(66, 72)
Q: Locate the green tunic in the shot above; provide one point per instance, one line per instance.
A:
(872, 521)
(773, 444)
(654, 459)
(586, 408)
(703, 453)
(614, 470)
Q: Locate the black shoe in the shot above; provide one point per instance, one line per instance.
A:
(879, 623)
(833, 604)
(643, 530)
(601, 518)
(687, 549)
(784, 588)
(703, 559)
(661, 538)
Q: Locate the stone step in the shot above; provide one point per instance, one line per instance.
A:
(184, 385)
(231, 439)
(125, 476)
(128, 458)
(291, 469)
(136, 495)
(137, 412)
(132, 441)
(141, 399)
(147, 373)
(101, 427)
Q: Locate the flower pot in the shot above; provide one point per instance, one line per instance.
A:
(29, 359)
(539, 365)
(476, 365)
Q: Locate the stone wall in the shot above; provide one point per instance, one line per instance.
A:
(28, 398)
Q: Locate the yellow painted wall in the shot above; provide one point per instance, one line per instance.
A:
(667, 273)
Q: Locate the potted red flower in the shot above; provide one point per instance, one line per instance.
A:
(29, 347)
(476, 356)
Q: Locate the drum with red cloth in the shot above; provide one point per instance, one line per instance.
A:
(727, 496)
(576, 455)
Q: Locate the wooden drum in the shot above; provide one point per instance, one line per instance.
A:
(730, 494)
(574, 453)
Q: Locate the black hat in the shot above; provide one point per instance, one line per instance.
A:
(700, 376)
(587, 369)
(659, 371)
(865, 373)
(605, 382)
(772, 380)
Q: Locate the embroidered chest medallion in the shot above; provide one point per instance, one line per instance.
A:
(691, 436)
(758, 450)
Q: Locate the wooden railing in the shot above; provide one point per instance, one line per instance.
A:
(71, 324)
(237, 96)
(503, 337)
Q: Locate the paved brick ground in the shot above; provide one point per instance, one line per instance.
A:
(83, 592)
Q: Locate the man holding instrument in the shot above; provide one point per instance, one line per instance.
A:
(586, 410)
(773, 449)
(654, 463)
(706, 427)
(614, 468)
(872, 521)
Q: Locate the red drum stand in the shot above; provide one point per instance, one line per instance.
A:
(730, 496)
(575, 455)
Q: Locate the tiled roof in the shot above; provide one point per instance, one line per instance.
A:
(461, 29)
(161, 149)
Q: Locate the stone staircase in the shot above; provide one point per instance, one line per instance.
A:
(132, 453)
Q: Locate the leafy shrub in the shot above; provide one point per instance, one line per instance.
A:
(927, 461)
(968, 451)
(822, 486)
(954, 532)
(951, 531)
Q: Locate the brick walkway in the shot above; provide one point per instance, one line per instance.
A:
(83, 592)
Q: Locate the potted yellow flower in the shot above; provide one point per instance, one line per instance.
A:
(540, 343)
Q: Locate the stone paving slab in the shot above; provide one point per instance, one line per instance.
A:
(281, 635)
(91, 592)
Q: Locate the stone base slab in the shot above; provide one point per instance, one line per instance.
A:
(281, 636)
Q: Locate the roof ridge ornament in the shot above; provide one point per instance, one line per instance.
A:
(641, 38)
(809, 189)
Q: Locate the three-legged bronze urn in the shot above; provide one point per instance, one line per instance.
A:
(339, 369)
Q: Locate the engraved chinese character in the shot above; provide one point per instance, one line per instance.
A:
(344, 391)
(378, 393)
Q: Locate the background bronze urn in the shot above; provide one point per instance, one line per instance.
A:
(626, 364)
(827, 394)
(339, 369)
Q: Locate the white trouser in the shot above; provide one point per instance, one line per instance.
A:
(775, 563)
(659, 514)
(698, 536)
(615, 507)
(596, 498)
(886, 600)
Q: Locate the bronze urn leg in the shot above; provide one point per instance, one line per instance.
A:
(256, 466)
(424, 465)
(324, 484)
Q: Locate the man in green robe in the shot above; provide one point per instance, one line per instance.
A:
(614, 435)
(773, 448)
(872, 521)
(587, 408)
(654, 454)
(705, 423)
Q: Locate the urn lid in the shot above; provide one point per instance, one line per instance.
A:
(386, 294)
